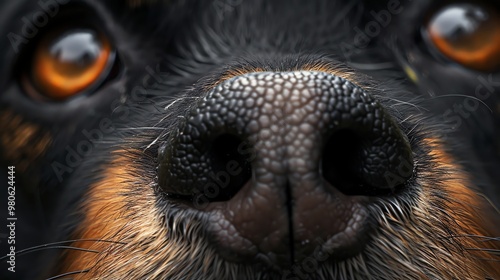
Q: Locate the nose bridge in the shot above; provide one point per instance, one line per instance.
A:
(267, 127)
(287, 132)
(304, 121)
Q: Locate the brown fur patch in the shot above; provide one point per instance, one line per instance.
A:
(330, 69)
(119, 208)
(469, 229)
(234, 72)
(21, 142)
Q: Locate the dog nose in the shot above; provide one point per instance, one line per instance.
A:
(282, 164)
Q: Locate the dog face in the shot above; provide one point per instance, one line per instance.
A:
(186, 139)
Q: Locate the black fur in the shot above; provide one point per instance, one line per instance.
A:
(185, 46)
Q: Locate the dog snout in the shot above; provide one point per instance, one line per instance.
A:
(287, 160)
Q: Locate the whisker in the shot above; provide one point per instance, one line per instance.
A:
(372, 66)
(493, 251)
(497, 210)
(486, 238)
(487, 260)
(140, 128)
(406, 103)
(154, 142)
(465, 96)
(177, 100)
(68, 273)
(55, 245)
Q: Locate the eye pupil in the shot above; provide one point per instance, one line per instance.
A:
(467, 34)
(67, 63)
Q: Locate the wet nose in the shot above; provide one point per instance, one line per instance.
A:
(282, 164)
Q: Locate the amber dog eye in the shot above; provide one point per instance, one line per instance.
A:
(69, 62)
(468, 34)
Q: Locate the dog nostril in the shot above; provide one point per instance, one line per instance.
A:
(355, 163)
(204, 167)
(342, 162)
(231, 168)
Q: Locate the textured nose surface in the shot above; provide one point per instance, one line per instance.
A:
(283, 164)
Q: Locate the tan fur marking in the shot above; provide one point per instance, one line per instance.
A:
(229, 74)
(467, 208)
(330, 69)
(21, 143)
(118, 208)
